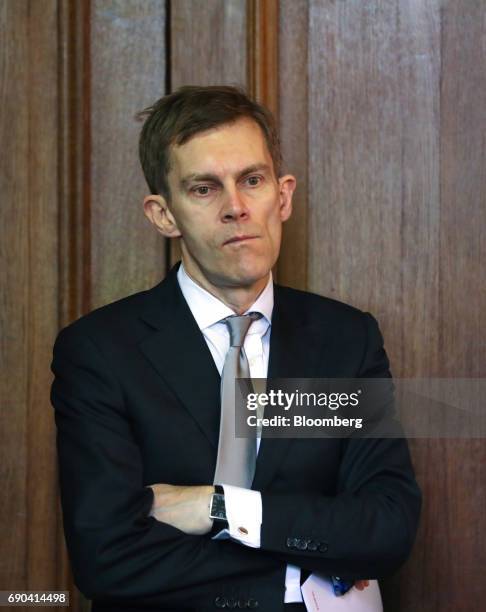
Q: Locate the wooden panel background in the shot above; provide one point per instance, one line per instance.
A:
(127, 73)
(293, 263)
(29, 293)
(381, 111)
(395, 207)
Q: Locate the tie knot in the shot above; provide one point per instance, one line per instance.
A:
(238, 326)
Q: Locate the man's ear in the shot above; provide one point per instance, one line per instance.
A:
(157, 212)
(287, 186)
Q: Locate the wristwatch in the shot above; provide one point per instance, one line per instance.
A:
(217, 508)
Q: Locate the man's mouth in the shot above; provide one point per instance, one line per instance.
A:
(236, 239)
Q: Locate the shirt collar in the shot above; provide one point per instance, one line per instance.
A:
(208, 309)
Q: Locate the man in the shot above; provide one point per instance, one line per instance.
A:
(141, 410)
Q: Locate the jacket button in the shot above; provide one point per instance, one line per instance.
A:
(322, 547)
(301, 544)
(231, 603)
(291, 542)
(220, 602)
(312, 545)
(253, 603)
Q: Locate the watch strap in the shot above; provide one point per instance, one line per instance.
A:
(219, 489)
(218, 524)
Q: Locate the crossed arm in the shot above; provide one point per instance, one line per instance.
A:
(187, 509)
(128, 542)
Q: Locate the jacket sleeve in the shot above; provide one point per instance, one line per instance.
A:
(118, 552)
(368, 528)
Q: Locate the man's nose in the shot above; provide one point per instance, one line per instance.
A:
(234, 206)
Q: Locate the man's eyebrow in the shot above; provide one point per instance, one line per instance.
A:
(191, 178)
(207, 176)
(254, 168)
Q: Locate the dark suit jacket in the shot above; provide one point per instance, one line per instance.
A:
(136, 398)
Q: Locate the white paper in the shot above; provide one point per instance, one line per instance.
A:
(319, 596)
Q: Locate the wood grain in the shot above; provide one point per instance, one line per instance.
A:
(127, 73)
(462, 316)
(356, 173)
(14, 280)
(42, 210)
(74, 152)
(293, 120)
(29, 288)
(449, 551)
(208, 43)
(396, 226)
(263, 52)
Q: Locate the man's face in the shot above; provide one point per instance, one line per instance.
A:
(228, 205)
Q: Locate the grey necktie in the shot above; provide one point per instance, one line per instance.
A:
(236, 460)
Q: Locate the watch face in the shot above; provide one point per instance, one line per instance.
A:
(218, 508)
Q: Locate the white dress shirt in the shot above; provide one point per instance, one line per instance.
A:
(243, 506)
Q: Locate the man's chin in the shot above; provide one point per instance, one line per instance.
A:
(245, 277)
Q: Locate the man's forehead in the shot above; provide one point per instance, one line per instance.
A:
(234, 145)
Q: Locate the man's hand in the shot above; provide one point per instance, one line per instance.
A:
(186, 508)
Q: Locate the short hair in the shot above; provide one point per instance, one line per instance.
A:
(189, 110)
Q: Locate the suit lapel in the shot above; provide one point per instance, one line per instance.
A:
(295, 351)
(177, 350)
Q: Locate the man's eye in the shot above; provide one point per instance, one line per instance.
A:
(201, 190)
(254, 180)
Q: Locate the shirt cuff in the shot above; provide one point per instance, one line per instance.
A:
(244, 515)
